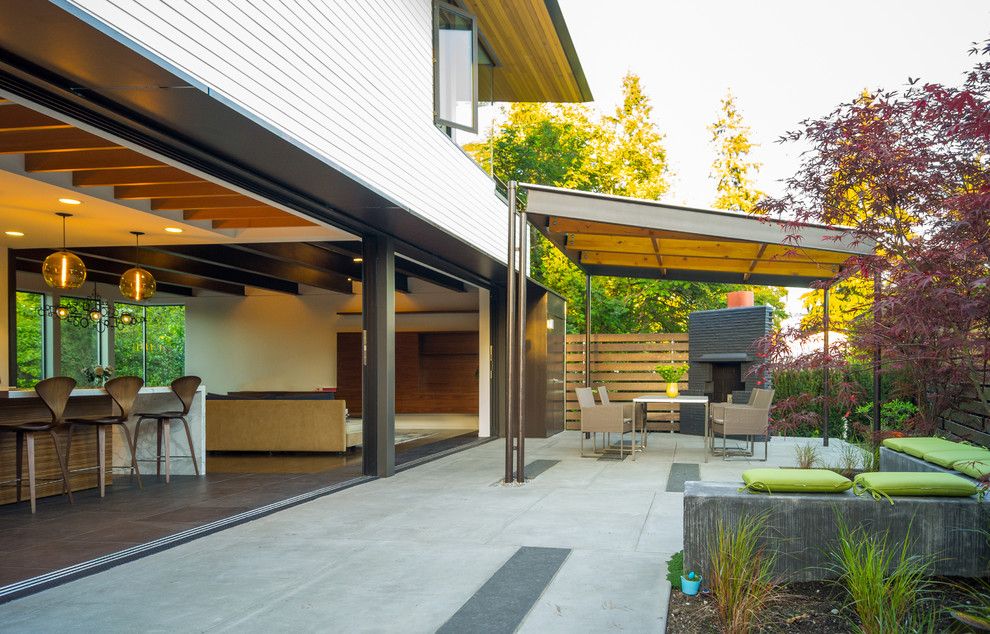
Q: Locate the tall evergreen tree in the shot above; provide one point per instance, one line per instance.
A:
(734, 172)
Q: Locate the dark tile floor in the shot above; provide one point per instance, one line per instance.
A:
(61, 535)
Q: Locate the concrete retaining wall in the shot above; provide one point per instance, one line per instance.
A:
(804, 528)
(896, 461)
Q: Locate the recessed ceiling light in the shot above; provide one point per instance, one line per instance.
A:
(358, 260)
(15, 234)
(173, 229)
(69, 201)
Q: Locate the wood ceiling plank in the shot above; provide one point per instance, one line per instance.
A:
(259, 223)
(710, 264)
(205, 202)
(58, 140)
(234, 213)
(87, 160)
(18, 118)
(170, 190)
(132, 176)
(566, 225)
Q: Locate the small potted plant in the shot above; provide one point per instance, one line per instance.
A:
(691, 583)
(98, 375)
(671, 374)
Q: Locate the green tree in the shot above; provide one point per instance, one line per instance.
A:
(620, 154)
(733, 171)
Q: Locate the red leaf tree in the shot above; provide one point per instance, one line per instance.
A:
(909, 172)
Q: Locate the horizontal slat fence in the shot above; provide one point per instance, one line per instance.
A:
(624, 365)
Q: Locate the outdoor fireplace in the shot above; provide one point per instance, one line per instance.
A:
(721, 357)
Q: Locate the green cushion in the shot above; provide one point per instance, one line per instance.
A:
(973, 468)
(794, 481)
(946, 458)
(887, 483)
(918, 447)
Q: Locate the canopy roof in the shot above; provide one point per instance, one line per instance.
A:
(630, 237)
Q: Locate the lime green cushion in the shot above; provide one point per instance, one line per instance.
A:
(918, 447)
(795, 481)
(946, 458)
(888, 483)
(973, 468)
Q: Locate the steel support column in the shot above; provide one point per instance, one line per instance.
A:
(587, 330)
(521, 333)
(378, 355)
(510, 340)
(876, 354)
(826, 400)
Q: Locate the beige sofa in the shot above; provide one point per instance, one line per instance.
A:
(278, 425)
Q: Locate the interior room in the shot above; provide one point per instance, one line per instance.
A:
(186, 276)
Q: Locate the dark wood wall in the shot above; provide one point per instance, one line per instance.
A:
(435, 372)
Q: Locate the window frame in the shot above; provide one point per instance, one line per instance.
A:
(438, 5)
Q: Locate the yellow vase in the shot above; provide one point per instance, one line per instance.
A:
(672, 389)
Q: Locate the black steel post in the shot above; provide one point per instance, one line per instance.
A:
(825, 378)
(587, 330)
(510, 341)
(876, 353)
(378, 355)
(521, 333)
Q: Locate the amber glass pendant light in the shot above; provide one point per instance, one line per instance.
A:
(136, 283)
(63, 269)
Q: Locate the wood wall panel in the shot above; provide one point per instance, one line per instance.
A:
(624, 365)
(435, 373)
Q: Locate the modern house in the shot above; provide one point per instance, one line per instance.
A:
(287, 174)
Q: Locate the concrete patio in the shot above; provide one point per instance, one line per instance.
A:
(409, 552)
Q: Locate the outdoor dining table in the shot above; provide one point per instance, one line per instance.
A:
(639, 414)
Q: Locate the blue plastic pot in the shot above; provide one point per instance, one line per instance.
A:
(689, 586)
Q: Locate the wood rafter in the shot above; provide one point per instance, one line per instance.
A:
(730, 265)
(759, 254)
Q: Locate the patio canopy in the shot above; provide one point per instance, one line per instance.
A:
(630, 237)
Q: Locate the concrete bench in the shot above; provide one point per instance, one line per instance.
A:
(891, 460)
(803, 528)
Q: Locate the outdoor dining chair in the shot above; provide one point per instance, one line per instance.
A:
(749, 420)
(602, 419)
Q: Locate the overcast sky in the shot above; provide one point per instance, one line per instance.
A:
(784, 61)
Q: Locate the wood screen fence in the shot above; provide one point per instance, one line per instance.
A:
(624, 365)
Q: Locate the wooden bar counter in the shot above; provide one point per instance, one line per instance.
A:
(23, 406)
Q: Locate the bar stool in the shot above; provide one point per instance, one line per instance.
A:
(122, 390)
(54, 393)
(185, 389)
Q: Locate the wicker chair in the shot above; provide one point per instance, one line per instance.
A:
(602, 419)
(749, 420)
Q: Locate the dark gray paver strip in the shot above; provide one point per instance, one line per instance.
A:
(681, 472)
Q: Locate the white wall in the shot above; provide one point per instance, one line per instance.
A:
(349, 80)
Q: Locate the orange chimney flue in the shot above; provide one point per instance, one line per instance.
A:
(739, 299)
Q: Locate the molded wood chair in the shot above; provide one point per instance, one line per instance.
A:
(603, 419)
(54, 393)
(749, 420)
(123, 391)
(185, 389)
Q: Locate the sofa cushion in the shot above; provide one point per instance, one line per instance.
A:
(946, 458)
(919, 446)
(973, 468)
(767, 480)
(885, 484)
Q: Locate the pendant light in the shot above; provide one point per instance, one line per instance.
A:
(63, 269)
(136, 283)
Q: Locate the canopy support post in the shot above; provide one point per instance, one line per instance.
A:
(521, 333)
(825, 378)
(876, 356)
(587, 330)
(510, 310)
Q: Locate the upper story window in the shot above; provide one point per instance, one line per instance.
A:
(455, 68)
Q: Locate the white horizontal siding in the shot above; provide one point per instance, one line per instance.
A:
(350, 80)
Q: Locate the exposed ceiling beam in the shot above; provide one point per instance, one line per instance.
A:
(169, 262)
(116, 268)
(132, 176)
(236, 258)
(288, 220)
(87, 160)
(307, 255)
(205, 202)
(234, 213)
(427, 274)
(14, 118)
(759, 254)
(169, 190)
(31, 266)
(46, 140)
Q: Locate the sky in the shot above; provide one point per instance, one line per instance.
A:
(784, 61)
